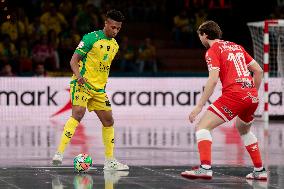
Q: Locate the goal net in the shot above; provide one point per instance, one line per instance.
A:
(276, 45)
(268, 45)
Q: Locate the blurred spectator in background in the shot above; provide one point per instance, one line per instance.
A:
(86, 19)
(13, 27)
(126, 56)
(68, 42)
(43, 53)
(65, 7)
(23, 18)
(25, 61)
(6, 71)
(278, 13)
(183, 29)
(39, 71)
(147, 56)
(36, 29)
(200, 17)
(53, 20)
(53, 43)
(8, 52)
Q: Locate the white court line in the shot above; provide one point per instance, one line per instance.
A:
(10, 184)
(51, 167)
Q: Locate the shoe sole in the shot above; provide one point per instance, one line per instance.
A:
(196, 177)
(260, 178)
(116, 169)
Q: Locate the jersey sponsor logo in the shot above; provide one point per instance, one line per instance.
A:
(104, 68)
(246, 82)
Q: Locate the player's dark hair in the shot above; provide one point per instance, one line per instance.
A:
(211, 29)
(115, 15)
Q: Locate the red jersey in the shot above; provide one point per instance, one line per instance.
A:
(232, 62)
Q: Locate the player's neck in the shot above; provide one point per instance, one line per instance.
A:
(105, 33)
(211, 42)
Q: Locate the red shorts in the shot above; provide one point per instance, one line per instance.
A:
(229, 106)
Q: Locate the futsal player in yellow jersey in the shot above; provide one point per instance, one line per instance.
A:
(90, 64)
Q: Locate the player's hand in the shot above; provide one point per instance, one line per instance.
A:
(81, 80)
(194, 113)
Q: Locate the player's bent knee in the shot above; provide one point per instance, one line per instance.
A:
(243, 127)
(108, 122)
(78, 115)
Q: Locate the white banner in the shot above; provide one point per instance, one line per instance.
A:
(131, 98)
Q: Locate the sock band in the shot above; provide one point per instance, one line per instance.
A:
(203, 134)
(249, 138)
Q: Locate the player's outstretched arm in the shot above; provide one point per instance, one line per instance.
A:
(208, 90)
(257, 73)
(209, 87)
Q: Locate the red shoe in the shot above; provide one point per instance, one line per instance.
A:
(198, 173)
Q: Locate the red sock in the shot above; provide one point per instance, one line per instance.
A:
(204, 147)
(254, 153)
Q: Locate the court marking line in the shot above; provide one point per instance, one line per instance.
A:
(239, 178)
(59, 167)
(174, 176)
(181, 178)
(10, 184)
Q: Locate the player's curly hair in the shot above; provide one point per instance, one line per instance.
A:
(115, 15)
(211, 29)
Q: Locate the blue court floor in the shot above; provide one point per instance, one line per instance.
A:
(156, 151)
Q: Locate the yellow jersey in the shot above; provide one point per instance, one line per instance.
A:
(97, 51)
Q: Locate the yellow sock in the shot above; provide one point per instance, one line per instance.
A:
(108, 140)
(68, 132)
(108, 185)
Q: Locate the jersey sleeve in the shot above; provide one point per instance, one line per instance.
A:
(212, 60)
(84, 46)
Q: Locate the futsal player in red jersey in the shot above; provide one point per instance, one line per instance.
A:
(230, 63)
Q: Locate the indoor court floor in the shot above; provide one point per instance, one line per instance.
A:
(157, 151)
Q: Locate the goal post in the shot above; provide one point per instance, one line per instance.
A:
(268, 45)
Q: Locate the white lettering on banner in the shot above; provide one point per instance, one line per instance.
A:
(142, 98)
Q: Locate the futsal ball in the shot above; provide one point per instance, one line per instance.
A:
(82, 163)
